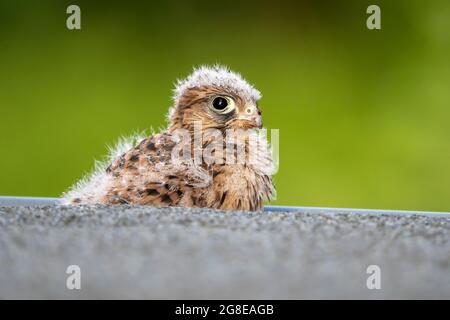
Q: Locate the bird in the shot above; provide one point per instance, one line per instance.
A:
(211, 155)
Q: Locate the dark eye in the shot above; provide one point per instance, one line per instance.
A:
(220, 103)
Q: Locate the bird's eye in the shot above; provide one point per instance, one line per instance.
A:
(223, 104)
(220, 103)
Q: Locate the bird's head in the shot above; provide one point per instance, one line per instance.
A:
(218, 98)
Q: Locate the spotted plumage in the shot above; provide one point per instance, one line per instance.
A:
(217, 169)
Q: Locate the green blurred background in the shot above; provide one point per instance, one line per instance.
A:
(363, 115)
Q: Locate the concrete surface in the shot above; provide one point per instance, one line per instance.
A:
(12, 201)
(143, 252)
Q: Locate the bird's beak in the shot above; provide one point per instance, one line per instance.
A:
(250, 117)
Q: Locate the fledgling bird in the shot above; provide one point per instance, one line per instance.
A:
(221, 102)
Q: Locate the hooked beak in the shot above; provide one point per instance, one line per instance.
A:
(250, 117)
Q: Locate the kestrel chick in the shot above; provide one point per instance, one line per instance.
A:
(211, 155)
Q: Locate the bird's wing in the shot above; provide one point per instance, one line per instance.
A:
(147, 174)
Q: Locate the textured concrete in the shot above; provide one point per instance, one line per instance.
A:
(143, 252)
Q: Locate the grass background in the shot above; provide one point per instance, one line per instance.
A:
(363, 115)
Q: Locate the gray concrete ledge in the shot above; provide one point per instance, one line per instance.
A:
(43, 201)
(179, 253)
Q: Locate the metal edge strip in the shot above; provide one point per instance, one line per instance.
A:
(42, 201)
